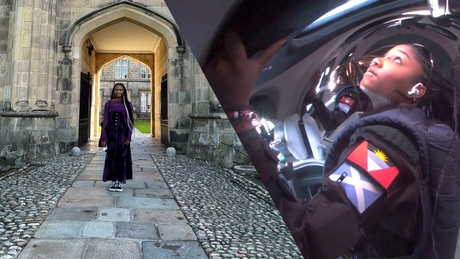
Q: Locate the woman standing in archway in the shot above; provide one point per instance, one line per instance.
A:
(117, 128)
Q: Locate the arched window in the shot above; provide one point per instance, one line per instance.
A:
(118, 69)
(145, 101)
(124, 68)
(121, 68)
(144, 72)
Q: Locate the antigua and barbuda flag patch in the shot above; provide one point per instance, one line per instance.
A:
(375, 162)
(365, 175)
(345, 103)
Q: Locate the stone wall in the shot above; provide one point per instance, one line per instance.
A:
(27, 136)
(5, 9)
(212, 138)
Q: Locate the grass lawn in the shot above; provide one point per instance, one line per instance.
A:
(142, 126)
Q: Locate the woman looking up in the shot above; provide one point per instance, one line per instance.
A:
(391, 185)
(117, 128)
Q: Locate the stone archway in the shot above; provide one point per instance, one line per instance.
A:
(76, 60)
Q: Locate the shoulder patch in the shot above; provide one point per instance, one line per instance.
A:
(358, 186)
(375, 162)
(345, 103)
(365, 175)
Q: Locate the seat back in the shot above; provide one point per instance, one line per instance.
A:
(293, 136)
(314, 136)
(279, 144)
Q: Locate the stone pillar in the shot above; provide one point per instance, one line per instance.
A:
(30, 68)
(27, 118)
(67, 125)
(179, 97)
(5, 11)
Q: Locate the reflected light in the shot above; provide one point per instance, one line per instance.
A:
(398, 20)
(349, 5)
(421, 12)
(331, 85)
(264, 128)
(268, 125)
(439, 8)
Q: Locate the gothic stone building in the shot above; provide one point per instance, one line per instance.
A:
(51, 56)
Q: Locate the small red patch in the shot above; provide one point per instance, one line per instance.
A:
(347, 100)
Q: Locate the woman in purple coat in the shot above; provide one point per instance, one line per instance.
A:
(117, 128)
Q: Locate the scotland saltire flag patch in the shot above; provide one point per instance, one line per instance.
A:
(358, 186)
(365, 175)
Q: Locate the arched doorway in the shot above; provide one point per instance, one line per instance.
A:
(123, 29)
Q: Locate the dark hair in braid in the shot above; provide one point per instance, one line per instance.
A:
(442, 98)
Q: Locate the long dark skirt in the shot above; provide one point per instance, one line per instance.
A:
(118, 163)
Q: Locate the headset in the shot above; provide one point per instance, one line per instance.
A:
(414, 90)
(410, 94)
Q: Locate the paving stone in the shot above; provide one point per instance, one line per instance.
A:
(175, 231)
(144, 177)
(127, 192)
(134, 184)
(114, 214)
(86, 197)
(93, 175)
(113, 249)
(54, 249)
(60, 229)
(77, 214)
(101, 229)
(159, 216)
(173, 249)
(153, 193)
(83, 184)
(136, 230)
(148, 203)
(95, 170)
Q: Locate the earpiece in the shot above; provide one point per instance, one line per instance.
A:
(414, 90)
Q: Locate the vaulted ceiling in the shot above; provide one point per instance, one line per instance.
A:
(124, 37)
